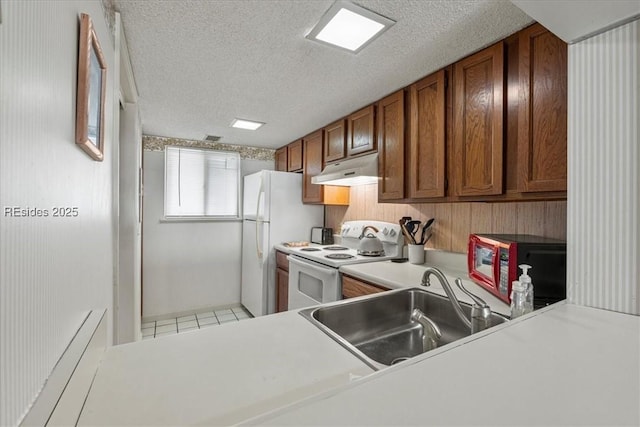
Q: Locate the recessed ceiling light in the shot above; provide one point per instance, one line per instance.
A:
(349, 26)
(245, 124)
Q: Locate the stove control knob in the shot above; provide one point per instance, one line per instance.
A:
(385, 231)
(392, 232)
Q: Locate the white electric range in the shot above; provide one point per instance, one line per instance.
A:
(313, 270)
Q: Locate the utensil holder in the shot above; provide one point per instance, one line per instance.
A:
(416, 254)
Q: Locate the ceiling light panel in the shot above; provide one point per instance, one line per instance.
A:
(349, 27)
(245, 124)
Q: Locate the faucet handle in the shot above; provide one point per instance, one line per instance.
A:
(476, 299)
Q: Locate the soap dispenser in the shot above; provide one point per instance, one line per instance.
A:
(525, 279)
(518, 296)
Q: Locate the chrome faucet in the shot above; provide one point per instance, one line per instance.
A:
(480, 311)
(430, 331)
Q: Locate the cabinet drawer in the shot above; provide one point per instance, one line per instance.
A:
(352, 287)
(282, 261)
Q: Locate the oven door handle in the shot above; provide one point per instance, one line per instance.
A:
(312, 266)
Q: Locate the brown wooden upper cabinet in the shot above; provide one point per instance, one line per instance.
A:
(477, 123)
(315, 193)
(361, 131)
(312, 193)
(391, 147)
(295, 152)
(335, 141)
(281, 159)
(542, 111)
(427, 170)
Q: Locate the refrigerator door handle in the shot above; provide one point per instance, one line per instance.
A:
(258, 242)
(258, 223)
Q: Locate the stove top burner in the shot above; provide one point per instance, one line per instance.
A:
(371, 254)
(339, 256)
(335, 248)
(310, 249)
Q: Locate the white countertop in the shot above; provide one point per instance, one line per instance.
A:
(563, 365)
(219, 375)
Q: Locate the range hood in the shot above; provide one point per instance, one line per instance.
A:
(356, 171)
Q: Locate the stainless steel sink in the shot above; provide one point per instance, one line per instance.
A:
(379, 330)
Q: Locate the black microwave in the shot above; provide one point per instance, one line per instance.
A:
(493, 261)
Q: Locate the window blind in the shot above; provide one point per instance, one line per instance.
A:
(201, 183)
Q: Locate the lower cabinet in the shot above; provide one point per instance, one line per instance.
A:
(352, 287)
(282, 282)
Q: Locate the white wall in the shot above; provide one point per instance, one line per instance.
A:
(130, 241)
(603, 234)
(187, 265)
(52, 270)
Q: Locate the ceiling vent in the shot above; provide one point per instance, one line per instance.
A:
(213, 138)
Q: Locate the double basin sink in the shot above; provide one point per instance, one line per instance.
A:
(381, 330)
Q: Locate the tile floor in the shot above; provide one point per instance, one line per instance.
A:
(199, 320)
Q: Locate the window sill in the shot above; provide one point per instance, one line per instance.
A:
(199, 219)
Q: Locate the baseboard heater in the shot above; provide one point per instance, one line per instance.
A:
(63, 395)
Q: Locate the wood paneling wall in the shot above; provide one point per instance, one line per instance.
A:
(454, 221)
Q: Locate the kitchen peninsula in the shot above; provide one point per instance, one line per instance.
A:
(551, 366)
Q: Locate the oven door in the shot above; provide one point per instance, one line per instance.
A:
(311, 283)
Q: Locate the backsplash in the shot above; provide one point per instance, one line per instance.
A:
(455, 221)
(157, 143)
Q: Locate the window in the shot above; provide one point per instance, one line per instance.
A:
(200, 183)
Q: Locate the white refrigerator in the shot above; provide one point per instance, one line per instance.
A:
(272, 213)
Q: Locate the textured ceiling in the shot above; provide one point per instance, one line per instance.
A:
(200, 64)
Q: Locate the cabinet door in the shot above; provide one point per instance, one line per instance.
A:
(426, 177)
(294, 156)
(281, 159)
(282, 284)
(312, 193)
(361, 131)
(282, 261)
(352, 288)
(391, 147)
(335, 141)
(542, 111)
(477, 123)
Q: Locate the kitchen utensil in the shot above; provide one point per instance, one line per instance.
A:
(427, 226)
(405, 232)
(370, 245)
(413, 227)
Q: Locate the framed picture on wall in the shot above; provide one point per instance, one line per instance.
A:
(92, 73)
